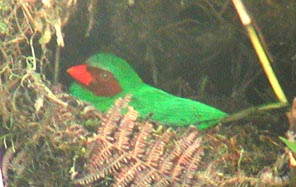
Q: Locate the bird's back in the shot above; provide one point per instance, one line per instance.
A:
(172, 110)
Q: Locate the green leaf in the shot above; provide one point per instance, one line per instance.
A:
(291, 145)
(3, 28)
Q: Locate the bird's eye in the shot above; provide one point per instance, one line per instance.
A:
(104, 76)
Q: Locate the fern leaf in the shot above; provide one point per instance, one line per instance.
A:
(136, 156)
(140, 143)
(127, 124)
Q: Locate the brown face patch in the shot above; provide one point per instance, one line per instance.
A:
(103, 83)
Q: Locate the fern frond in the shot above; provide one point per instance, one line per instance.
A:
(134, 155)
(109, 122)
(122, 136)
(140, 143)
(156, 152)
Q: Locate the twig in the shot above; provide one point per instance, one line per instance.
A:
(1, 179)
(57, 64)
(247, 22)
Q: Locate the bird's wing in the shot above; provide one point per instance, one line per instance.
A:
(173, 110)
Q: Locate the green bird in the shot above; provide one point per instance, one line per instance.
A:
(106, 77)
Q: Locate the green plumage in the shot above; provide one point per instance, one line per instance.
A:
(164, 107)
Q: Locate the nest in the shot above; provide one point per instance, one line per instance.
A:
(51, 139)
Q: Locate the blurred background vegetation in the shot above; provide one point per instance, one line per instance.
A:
(191, 48)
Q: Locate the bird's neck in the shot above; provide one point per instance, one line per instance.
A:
(130, 81)
(84, 94)
(100, 102)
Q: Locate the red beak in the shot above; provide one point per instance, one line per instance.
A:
(80, 74)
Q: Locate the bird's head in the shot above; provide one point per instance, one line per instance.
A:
(105, 75)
